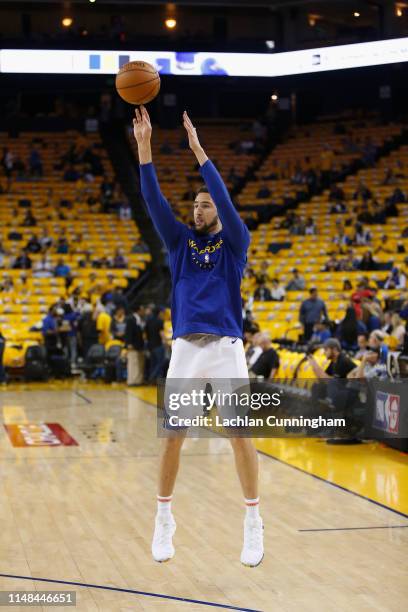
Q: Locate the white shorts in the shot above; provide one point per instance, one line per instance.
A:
(207, 356)
(217, 360)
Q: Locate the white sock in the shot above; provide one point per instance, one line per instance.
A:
(164, 506)
(252, 508)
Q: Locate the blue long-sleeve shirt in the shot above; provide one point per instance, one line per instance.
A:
(206, 270)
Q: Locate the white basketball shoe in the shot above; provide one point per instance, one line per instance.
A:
(253, 549)
(162, 544)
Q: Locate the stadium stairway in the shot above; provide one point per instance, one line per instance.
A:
(154, 285)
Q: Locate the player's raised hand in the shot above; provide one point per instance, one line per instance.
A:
(193, 141)
(142, 128)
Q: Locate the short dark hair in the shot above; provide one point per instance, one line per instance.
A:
(202, 189)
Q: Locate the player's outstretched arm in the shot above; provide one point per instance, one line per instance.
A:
(234, 228)
(159, 209)
(142, 129)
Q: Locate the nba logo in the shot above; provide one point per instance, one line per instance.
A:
(387, 410)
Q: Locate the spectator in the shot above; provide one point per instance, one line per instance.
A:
(33, 245)
(321, 332)
(62, 269)
(371, 315)
(361, 237)
(310, 227)
(125, 211)
(339, 364)
(263, 192)
(118, 324)
(332, 265)
(262, 293)
(376, 340)
(347, 286)
(362, 192)
(311, 311)
(397, 329)
(396, 280)
(367, 263)
(267, 364)
(50, 330)
(88, 334)
(103, 325)
(29, 219)
(43, 268)
(70, 320)
(45, 239)
(277, 292)
(297, 282)
(252, 349)
(370, 366)
(119, 260)
(362, 343)
(23, 261)
(135, 344)
(349, 329)
(62, 246)
(156, 339)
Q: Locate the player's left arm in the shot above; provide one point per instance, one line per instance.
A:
(234, 228)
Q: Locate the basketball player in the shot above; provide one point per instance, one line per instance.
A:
(206, 265)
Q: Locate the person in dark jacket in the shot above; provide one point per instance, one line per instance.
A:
(134, 341)
(349, 329)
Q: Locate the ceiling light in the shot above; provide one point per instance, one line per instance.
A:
(356, 14)
(270, 44)
(67, 22)
(274, 97)
(170, 23)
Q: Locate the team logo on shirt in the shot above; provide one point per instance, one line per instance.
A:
(205, 258)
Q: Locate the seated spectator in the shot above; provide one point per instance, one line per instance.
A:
(389, 177)
(348, 263)
(262, 293)
(361, 237)
(267, 364)
(349, 329)
(62, 269)
(43, 268)
(62, 246)
(297, 282)
(23, 261)
(371, 315)
(71, 175)
(277, 292)
(395, 280)
(337, 208)
(332, 265)
(397, 197)
(347, 286)
(263, 192)
(33, 245)
(339, 366)
(119, 260)
(321, 332)
(310, 227)
(376, 340)
(362, 192)
(29, 219)
(368, 262)
(362, 343)
(397, 330)
(336, 193)
(341, 238)
(125, 211)
(45, 239)
(370, 366)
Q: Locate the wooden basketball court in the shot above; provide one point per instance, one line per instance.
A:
(83, 513)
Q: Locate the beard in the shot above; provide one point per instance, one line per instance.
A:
(207, 227)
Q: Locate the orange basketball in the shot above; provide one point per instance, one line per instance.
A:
(137, 82)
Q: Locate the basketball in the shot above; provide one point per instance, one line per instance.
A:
(137, 82)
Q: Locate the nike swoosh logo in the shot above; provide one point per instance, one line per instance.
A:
(234, 340)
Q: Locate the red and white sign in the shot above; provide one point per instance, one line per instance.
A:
(39, 434)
